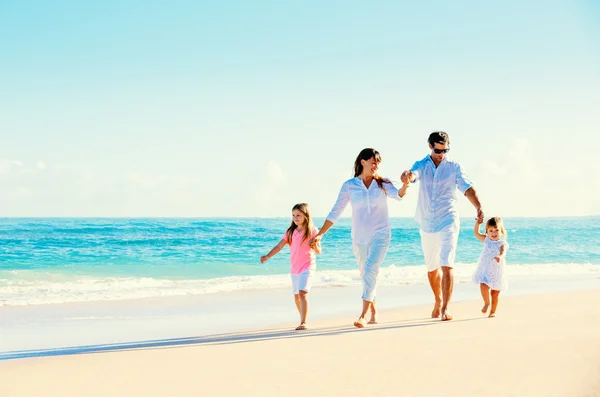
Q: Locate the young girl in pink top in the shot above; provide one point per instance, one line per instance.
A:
(302, 257)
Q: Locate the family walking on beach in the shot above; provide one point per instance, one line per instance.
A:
(367, 192)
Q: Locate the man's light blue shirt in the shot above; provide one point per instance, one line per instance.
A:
(436, 207)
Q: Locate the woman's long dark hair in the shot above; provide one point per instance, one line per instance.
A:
(308, 224)
(368, 154)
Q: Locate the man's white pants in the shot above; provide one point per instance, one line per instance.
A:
(439, 248)
(369, 258)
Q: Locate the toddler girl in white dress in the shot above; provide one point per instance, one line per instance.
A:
(490, 273)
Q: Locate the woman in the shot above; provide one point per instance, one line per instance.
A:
(367, 193)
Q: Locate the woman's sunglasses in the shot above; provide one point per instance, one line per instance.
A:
(440, 151)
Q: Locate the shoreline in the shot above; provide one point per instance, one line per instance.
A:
(536, 346)
(24, 289)
(67, 325)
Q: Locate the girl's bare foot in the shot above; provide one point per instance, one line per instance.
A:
(492, 314)
(436, 310)
(360, 323)
(301, 327)
(485, 307)
(373, 319)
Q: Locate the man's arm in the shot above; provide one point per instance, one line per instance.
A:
(410, 176)
(471, 194)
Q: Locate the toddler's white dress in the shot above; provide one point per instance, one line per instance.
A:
(488, 270)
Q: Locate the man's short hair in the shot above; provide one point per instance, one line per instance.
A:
(440, 137)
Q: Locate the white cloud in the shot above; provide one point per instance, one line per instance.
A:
(21, 193)
(515, 181)
(5, 166)
(523, 182)
(145, 181)
(8, 166)
(521, 158)
(492, 168)
(262, 191)
(275, 175)
(520, 149)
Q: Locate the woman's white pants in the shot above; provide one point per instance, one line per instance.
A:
(369, 258)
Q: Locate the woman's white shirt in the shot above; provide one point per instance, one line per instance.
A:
(370, 219)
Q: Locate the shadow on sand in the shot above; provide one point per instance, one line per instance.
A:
(227, 338)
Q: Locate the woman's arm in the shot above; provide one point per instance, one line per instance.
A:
(392, 192)
(480, 237)
(317, 239)
(340, 205)
(402, 191)
(317, 245)
(274, 251)
(318, 248)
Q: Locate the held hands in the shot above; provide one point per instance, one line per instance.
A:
(312, 243)
(480, 215)
(497, 258)
(407, 177)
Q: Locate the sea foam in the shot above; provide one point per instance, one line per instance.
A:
(31, 287)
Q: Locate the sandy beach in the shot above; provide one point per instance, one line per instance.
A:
(539, 345)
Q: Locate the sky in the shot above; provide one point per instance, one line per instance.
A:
(242, 109)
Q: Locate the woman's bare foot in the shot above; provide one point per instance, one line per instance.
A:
(492, 314)
(373, 319)
(485, 307)
(360, 323)
(301, 327)
(436, 310)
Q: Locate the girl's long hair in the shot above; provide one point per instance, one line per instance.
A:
(308, 224)
(496, 222)
(368, 154)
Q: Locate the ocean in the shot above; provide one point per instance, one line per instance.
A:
(74, 283)
(50, 261)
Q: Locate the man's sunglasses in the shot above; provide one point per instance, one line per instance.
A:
(440, 151)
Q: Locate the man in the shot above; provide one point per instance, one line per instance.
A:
(437, 215)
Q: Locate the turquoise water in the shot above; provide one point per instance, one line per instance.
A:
(49, 260)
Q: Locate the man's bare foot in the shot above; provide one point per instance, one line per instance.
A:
(436, 310)
(492, 315)
(485, 307)
(301, 327)
(360, 323)
(373, 319)
(446, 316)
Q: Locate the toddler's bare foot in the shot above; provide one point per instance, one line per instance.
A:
(301, 327)
(485, 307)
(492, 314)
(360, 323)
(436, 310)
